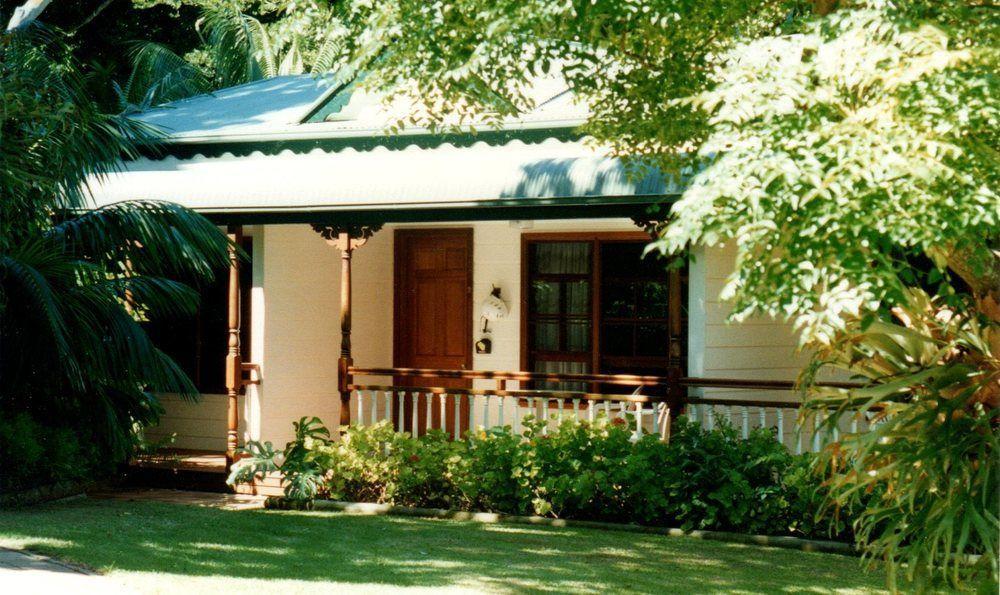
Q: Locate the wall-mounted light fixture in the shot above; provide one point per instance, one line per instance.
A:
(492, 308)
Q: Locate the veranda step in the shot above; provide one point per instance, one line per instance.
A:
(269, 485)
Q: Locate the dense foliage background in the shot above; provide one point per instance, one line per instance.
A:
(849, 149)
(78, 374)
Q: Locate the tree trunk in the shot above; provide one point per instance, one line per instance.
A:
(26, 14)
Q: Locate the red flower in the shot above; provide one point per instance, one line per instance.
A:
(414, 458)
(618, 422)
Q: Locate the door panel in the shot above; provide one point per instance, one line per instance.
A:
(433, 317)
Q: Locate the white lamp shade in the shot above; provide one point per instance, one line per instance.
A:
(494, 308)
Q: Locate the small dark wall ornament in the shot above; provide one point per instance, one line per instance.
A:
(484, 345)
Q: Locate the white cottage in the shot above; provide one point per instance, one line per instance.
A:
(436, 280)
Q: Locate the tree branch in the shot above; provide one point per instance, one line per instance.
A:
(92, 16)
(26, 14)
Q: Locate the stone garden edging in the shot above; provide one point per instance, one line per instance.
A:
(780, 541)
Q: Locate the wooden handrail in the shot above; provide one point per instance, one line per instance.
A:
(622, 379)
(743, 403)
(523, 394)
(619, 379)
(250, 373)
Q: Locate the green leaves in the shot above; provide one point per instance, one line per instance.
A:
(583, 470)
(241, 42)
(832, 152)
(75, 284)
(930, 456)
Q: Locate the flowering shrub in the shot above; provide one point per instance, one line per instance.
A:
(701, 479)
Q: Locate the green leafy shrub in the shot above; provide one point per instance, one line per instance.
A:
(303, 464)
(580, 469)
(702, 479)
(22, 450)
(496, 473)
(36, 454)
(714, 480)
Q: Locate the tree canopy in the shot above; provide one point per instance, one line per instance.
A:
(830, 145)
(848, 149)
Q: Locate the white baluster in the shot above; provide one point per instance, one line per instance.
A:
(729, 415)
(374, 409)
(517, 417)
(387, 396)
(762, 411)
(545, 416)
(354, 406)
(429, 420)
(502, 401)
(472, 407)
(638, 419)
(559, 404)
(781, 425)
(710, 416)
(692, 412)
(607, 409)
(415, 398)
(486, 412)
(746, 422)
(657, 412)
(443, 411)
(457, 405)
(590, 411)
(576, 410)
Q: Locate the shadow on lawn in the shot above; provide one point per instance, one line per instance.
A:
(153, 537)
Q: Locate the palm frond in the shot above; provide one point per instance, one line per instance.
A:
(155, 238)
(159, 75)
(68, 137)
(292, 62)
(232, 37)
(26, 282)
(328, 56)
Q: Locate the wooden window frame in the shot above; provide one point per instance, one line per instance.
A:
(596, 239)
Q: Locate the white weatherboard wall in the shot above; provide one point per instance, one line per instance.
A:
(196, 425)
(756, 349)
(296, 325)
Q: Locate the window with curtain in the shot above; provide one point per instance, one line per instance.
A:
(595, 305)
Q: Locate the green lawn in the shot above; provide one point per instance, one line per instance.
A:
(178, 548)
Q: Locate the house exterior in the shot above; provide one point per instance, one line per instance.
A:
(375, 253)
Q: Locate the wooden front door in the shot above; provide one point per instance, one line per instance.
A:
(433, 319)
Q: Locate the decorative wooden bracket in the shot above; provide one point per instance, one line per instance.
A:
(648, 225)
(358, 234)
(653, 220)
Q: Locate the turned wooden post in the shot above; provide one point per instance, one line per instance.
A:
(234, 364)
(347, 239)
(345, 361)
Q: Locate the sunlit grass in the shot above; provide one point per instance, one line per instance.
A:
(155, 547)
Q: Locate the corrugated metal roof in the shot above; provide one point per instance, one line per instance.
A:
(306, 146)
(315, 107)
(514, 174)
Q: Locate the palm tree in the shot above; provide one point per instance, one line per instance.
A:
(75, 283)
(236, 48)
